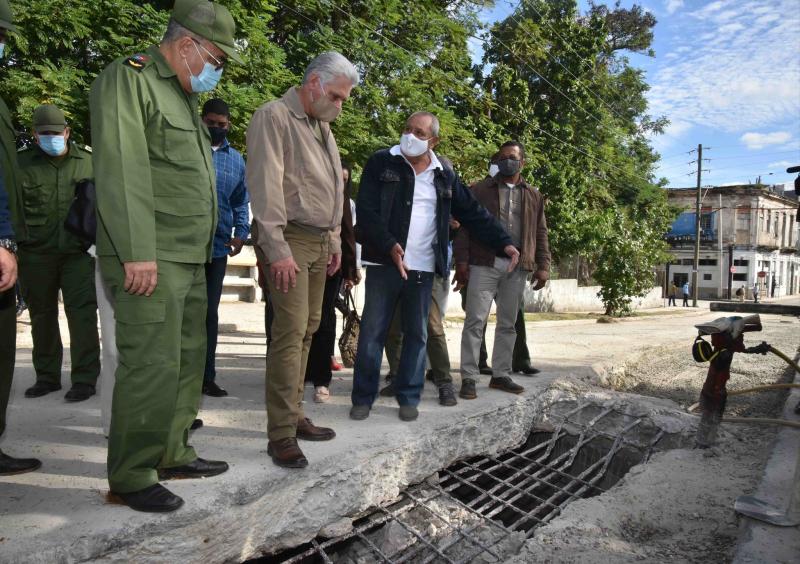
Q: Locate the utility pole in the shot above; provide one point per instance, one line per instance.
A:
(695, 268)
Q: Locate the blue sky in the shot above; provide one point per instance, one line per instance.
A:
(727, 75)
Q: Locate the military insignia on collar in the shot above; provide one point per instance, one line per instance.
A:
(137, 62)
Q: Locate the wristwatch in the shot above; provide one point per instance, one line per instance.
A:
(9, 245)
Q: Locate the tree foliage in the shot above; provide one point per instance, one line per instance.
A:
(551, 77)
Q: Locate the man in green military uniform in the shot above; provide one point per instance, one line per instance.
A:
(157, 211)
(52, 259)
(10, 228)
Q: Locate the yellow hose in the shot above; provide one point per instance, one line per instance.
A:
(765, 387)
(762, 421)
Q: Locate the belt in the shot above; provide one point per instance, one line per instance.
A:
(313, 230)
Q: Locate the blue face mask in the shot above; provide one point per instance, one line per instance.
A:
(53, 145)
(207, 79)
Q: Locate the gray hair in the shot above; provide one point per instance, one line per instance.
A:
(176, 31)
(329, 65)
(434, 121)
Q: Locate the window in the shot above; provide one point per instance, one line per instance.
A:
(740, 277)
(708, 262)
(687, 262)
(706, 276)
(769, 222)
(743, 220)
(741, 262)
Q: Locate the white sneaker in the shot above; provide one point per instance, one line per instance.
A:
(322, 394)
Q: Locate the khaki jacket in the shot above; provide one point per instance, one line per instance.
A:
(535, 251)
(291, 177)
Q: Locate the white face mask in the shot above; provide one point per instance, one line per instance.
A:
(493, 170)
(413, 146)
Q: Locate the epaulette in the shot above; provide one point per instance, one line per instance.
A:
(26, 148)
(86, 148)
(137, 62)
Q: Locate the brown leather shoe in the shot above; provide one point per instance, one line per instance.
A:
(307, 431)
(286, 453)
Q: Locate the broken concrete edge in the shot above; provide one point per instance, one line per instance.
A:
(247, 520)
(759, 541)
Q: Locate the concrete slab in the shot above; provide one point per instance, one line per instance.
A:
(60, 513)
(762, 542)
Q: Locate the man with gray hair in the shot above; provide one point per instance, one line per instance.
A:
(294, 176)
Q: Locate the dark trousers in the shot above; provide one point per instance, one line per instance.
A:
(215, 274)
(671, 301)
(8, 342)
(318, 369)
(686, 300)
(384, 289)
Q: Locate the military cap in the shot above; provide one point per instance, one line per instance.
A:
(6, 17)
(210, 21)
(48, 117)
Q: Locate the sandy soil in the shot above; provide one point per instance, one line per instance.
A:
(679, 506)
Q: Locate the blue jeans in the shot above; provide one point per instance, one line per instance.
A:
(384, 289)
(215, 273)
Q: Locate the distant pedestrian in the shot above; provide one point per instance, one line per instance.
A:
(774, 285)
(673, 289)
(755, 292)
(740, 294)
(685, 294)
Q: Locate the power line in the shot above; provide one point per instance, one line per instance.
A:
(504, 109)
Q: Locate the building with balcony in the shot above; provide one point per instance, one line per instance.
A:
(748, 235)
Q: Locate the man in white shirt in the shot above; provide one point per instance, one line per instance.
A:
(404, 206)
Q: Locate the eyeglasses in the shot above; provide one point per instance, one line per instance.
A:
(219, 63)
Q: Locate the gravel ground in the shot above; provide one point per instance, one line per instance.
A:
(671, 372)
(679, 506)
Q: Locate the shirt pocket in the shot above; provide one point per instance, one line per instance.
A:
(180, 138)
(182, 223)
(35, 199)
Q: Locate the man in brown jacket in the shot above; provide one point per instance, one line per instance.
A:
(294, 176)
(520, 209)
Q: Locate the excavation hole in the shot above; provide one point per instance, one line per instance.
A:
(483, 508)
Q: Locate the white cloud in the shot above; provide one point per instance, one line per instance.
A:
(761, 140)
(673, 5)
(737, 69)
(781, 164)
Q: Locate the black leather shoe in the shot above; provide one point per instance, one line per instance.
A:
(526, 370)
(79, 392)
(429, 376)
(211, 389)
(40, 389)
(505, 384)
(200, 468)
(153, 499)
(10, 466)
(485, 370)
(447, 395)
(196, 424)
(467, 389)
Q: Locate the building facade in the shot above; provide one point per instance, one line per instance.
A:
(749, 236)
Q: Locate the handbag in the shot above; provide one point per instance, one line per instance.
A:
(81, 218)
(351, 322)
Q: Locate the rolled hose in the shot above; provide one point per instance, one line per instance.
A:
(762, 420)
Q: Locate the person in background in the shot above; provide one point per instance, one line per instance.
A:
(10, 220)
(294, 175)
(320, 353)
(685, 290)
(673, 291)
(756, 291)
(520, 210)
(233, 226)
(52, 259)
